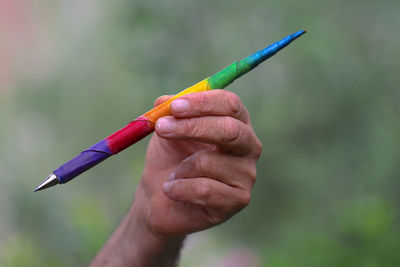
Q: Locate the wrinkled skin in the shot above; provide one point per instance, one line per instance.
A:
(201, 171)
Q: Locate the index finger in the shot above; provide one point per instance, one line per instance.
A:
(210, 103)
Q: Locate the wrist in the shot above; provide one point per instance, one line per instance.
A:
(134, 244)
(148, 247)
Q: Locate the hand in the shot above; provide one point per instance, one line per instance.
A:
(200, 166)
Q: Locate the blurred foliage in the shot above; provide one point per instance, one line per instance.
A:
(325, 110)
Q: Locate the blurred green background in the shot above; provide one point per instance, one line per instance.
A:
(326, 110)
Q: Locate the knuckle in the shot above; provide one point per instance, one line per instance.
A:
(201, 162)
(234, 102)
(245, 199)
(176, 191)
(203, 190)
(188, 127)
(215, 219)
(201, 102)
(230, 130)
(253, 175)
(258, 148)
(182, 170)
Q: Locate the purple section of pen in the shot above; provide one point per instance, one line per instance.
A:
(84, 161)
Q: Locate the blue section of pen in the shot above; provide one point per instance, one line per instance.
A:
(272, 49)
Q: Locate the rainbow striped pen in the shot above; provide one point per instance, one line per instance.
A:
(144, 125)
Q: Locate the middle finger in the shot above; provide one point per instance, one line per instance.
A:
(229, 134)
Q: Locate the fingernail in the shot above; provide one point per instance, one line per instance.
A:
(180, 105)
(166, 125)
(167, 186)
(171, 176)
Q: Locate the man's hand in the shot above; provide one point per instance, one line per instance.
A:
(200, 168)
(201, 164)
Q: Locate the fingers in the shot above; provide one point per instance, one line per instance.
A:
(235, 171)
(219, 200)
(210, 103)
(229, 134)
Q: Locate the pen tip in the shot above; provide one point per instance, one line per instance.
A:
(50, 181)
(297, 34)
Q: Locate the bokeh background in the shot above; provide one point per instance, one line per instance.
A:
(326, 110)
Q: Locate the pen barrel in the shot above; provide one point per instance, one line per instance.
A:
(144, 125)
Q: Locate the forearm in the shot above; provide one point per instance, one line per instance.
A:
(133, 244)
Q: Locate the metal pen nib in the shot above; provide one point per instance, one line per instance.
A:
(50, 181)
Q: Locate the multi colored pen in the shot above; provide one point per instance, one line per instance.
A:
(144, 125)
